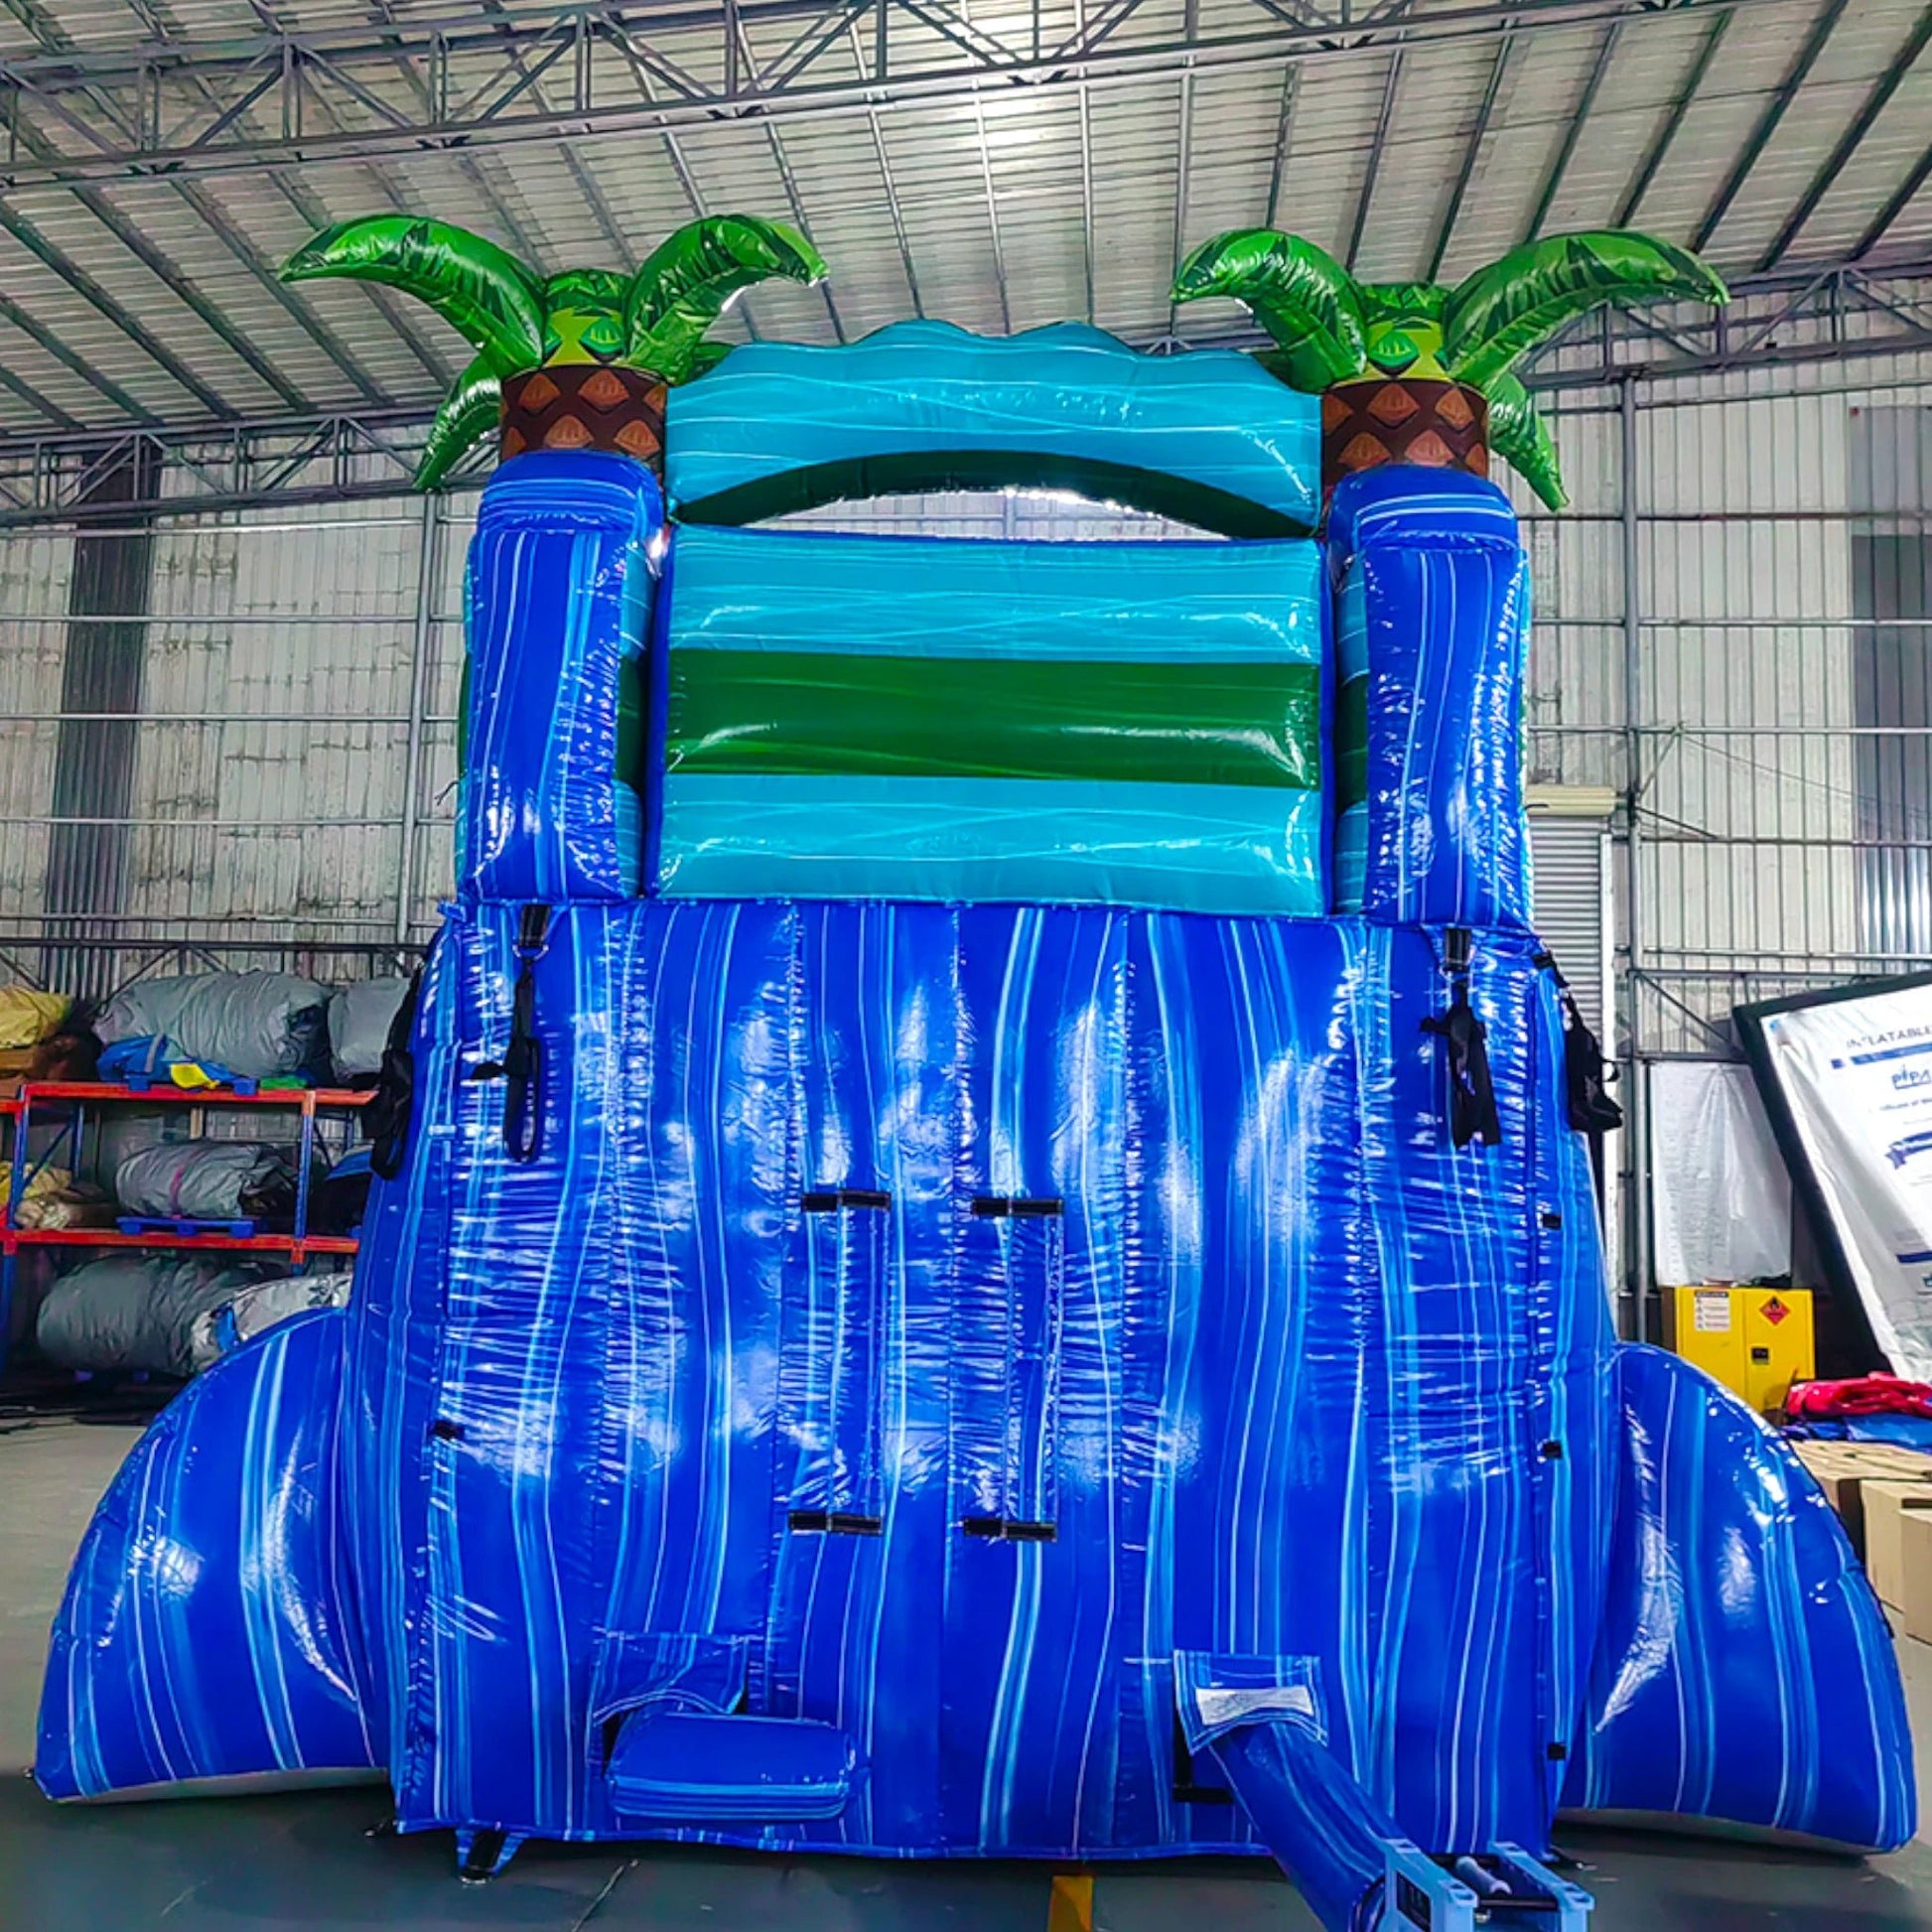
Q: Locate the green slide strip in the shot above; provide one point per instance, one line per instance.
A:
(820, 714)
(1351, 743)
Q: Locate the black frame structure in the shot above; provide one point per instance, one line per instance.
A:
(253, 136)
(1844, 1328)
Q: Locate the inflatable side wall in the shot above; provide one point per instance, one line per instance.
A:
(939, 1302)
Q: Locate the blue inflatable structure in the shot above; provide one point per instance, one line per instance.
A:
(989, 1257)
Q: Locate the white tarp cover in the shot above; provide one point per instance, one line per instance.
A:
(1856, 1075)
(1721, 1196)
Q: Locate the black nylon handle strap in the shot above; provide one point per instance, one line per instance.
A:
(523, 1057)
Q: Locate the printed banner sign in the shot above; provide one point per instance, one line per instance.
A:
(1846, 1077)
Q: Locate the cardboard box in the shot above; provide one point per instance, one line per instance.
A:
(1872, 1459)
(1844, 1490)
(1842, 1470)
(1915, 1574)
(1888, 1505)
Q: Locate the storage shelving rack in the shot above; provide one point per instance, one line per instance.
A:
(76, 1097)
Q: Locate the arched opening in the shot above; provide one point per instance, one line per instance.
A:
(1011, 515)
(1120, 487)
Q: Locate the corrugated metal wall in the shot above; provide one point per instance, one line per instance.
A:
(1762, 709)
(1730, 718)
(34, 571)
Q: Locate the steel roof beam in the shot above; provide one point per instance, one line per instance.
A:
(1478, 133)
(1874, 104)
(33, 399)
(992, 222)
(144, 251)
(104, 384)
(409, 69)
(285, 298)
(387, 303)
(986, 177)
(688, 182)
(1373, 166)
(1284, 138)
(1084, 100)
(98, 297)
(790, 182)
(588, 185)
(1902, 198)
(893, 205)
(298, 308)
(1553, 181)
(49, 34)
(238, 245)
(1768, 123)
(466, 118)
(380, 14)
(1183, 160)
(1660, 146)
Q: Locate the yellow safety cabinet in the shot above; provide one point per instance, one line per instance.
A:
(1755, 1340)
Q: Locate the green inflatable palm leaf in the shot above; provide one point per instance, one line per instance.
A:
(1296, 290)
(1504, 311)
(469, 413)
(1522, 438)
(479, 289)
(1331, 328)
(517, 321)
(686, 282)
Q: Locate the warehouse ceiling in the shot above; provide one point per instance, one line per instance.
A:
(997, 164)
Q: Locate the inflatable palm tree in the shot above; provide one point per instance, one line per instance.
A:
(575, 361)
(1417, 373)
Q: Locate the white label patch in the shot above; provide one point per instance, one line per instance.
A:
(1710, 1314)
(1218, 1708)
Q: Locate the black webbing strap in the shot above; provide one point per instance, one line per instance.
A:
(386, 1116)
(522, 1063)
(1472, 1095)
(1586, 1075)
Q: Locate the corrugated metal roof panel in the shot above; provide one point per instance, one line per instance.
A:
(1884, 160)
(609, 198)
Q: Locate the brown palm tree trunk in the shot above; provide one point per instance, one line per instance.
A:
(586, 406)
(1403, 419)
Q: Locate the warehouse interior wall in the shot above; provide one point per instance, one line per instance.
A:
(1757, 714)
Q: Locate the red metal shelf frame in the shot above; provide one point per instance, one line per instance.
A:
(311, 1100)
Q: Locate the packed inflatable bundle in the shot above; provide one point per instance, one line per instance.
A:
(261, 1026)
(134, 1311)
(210, 1180)
(361, 1016)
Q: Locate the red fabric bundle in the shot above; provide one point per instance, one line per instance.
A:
(1868, 1395)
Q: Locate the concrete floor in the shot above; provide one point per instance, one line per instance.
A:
(307, 1864)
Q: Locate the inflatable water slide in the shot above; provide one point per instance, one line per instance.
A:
(990, 1250)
